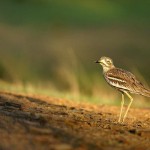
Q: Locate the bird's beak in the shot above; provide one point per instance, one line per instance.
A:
(97, 61)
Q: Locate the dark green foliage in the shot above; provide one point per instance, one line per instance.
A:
(73, 13)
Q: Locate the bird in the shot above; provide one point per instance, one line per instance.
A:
(124, 81)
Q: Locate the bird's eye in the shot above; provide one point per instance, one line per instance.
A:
(108, 61)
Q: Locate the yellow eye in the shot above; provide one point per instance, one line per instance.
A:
(108, 61)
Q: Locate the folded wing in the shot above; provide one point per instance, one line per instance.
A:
(125, 81)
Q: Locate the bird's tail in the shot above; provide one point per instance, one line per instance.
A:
(145, 92)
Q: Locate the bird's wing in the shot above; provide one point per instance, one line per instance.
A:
(123, 80)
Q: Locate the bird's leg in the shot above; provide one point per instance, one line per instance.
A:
(122, 103)
(131, 99)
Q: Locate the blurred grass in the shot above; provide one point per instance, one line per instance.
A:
(61, 63)
(109, 98)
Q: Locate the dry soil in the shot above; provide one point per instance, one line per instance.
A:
(45, 123)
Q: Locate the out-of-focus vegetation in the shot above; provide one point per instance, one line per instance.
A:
(52, 45)
(74, 13)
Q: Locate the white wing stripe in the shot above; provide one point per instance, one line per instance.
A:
(115, 79)
(117, 85)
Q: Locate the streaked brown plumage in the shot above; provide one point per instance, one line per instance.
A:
(126, 82)
(123, 81)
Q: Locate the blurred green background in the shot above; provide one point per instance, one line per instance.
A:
(49, 46)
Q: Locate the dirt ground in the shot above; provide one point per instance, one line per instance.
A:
(44, 123)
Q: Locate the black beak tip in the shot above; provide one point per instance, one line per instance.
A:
(97, 61)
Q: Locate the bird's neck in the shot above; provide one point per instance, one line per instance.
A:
(107, 68)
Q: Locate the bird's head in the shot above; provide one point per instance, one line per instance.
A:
(106, 63)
